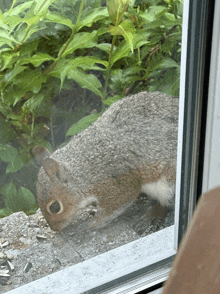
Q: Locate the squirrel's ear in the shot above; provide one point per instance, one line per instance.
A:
(40, 153)
(51, 167)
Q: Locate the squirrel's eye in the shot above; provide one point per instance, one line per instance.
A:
(55, 207)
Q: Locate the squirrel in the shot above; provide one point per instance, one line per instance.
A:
(130, 149)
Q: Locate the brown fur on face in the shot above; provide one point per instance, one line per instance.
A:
(58, 221)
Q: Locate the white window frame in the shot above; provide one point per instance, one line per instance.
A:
(211, 170)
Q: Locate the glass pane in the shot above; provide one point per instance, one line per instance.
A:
(88, 129)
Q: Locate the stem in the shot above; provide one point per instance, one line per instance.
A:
(69, 40)
(13, 4)
(61, 53)
(173, 5)
(108, 68)
(67, 43)
(32, 126)
(139, 54)
(51, 130)
(80, 11)
(41, 6)
(17, 46)
(2, 96)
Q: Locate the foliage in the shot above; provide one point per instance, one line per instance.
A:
(82, 124)
(110, 51)
(15, 200)
(10, 154)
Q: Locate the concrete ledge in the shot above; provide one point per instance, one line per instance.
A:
(106, 267)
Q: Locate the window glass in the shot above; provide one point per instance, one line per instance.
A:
(88, 131)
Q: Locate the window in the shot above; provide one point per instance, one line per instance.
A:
(135, 264)
(211, 160)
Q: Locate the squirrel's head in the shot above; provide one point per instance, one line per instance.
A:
(59, 204)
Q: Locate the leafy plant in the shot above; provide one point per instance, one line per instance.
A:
(45, 45)
(10, 154)
(15, 200)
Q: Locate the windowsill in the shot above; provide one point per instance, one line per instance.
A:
(109, 266)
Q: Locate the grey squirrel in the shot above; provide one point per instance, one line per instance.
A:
(130, 149)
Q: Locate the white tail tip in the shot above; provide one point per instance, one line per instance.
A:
(161, 190)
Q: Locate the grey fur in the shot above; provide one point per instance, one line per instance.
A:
(137, 131)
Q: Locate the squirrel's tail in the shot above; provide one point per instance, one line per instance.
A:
(162, 190)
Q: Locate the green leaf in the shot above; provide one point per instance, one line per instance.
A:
(14, 116)
(4, 35)
(167, 83)
(34, 102)
(33, 20)
(42, 6)
(92, 16)
(27, 49)
(82, 124)
(32, 30)
(17, 201)
(105, 47)
(122, 50)
(20, 33)
(5, 212)
(26, 198)
(132, 70)
(4, 42)
(116, 10)
(58, 68)
(12, 95)
(79, 41)
(85, 80)
(58, 18)
(5, 110)
(140, 39)
(153, 13)
(126, 29)
(10, 75)
(15, 165)
(37, 59)
(170, 16)
(8, 153)
(9, 59)
(32, 210)
(9, 192)
(84, 62)
(3, 23)
(20, 8)
(102, 31)
(13, 21)
(30, 81)
(123, 79)
(165, 63)
(7, 134)
(109, 101)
